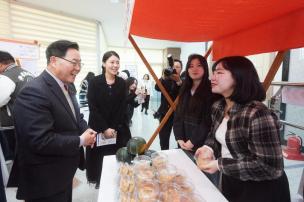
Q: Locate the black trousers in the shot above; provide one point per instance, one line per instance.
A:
(65, 196)
(236, 190)
(8, 143)
(94, 156)
(165, 132)
(145, 105)
(94, 161)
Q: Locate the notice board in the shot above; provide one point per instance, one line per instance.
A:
(26, 53)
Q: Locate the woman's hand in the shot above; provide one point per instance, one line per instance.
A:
(181, 143)
(208, 166)
(188, 145)
(110, 133)
(137, 91)
(204, 152)
(205, 159)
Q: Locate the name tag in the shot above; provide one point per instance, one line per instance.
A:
(101, 140)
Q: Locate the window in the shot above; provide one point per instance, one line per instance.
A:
(23, 22)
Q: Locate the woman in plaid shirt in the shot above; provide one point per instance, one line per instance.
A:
(244, 141)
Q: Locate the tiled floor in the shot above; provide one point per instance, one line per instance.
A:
(144, 126)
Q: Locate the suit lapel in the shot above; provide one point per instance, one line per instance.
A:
(57, 91)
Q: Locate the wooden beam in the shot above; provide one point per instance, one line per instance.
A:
(163, 90)
(160, 85)
(161, 125)
(208, 52)
(273, 69)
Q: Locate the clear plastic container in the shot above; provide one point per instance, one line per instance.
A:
(126, 184)
(186, 187)
(142, 159)
(180, 177)
(169, 193)
(159, 160)
(127, 197)
(167, 174)
(126, 170)
(186, 197)
(148, 191)
(140, 165)
(144, 175)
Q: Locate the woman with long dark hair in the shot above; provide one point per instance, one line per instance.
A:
(244, 141)
(132, 101)
(107, 104)
(192, 118)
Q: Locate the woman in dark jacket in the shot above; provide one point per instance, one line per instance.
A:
(132, 101)
(107, 104)
(192, 118)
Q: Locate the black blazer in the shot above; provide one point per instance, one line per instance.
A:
(48, 151)
(107, 104)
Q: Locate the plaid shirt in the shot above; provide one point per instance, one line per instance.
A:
(253, 140)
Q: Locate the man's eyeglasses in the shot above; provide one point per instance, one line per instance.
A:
(80, 64)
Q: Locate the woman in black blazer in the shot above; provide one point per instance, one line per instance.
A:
(107, 104)
(192, 119)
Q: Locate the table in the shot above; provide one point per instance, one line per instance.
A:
(108, 191)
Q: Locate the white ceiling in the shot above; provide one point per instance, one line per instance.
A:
(111, 15)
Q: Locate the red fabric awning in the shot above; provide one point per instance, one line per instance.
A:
(238, 27)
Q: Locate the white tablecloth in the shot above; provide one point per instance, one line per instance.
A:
(108, 191)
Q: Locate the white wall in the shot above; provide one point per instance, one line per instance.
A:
(103, 46)
(190, 48)
(262, 62)
(130, 59)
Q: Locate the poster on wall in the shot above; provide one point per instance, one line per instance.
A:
(132, 68)
(26, 54)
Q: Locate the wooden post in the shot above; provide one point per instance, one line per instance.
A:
(273, 69)
(160, 85)
(161, 125)
(208, 52)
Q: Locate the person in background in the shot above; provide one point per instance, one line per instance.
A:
(50, 130)
(12, 80)
(83, 100)
(244, 142)
(125, 74)
(107, 104)
(192, 118)
(172, 85)
(132, 97)
(145, 87)
(183, 75)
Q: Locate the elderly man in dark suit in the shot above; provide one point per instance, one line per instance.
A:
(50, 129)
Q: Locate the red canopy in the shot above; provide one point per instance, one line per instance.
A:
(238, 27)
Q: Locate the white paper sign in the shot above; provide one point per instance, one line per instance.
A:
(101, 140)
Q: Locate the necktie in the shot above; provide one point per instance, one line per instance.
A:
(66, 87)
(68, 97)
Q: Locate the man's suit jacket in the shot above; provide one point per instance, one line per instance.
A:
(47, 138)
